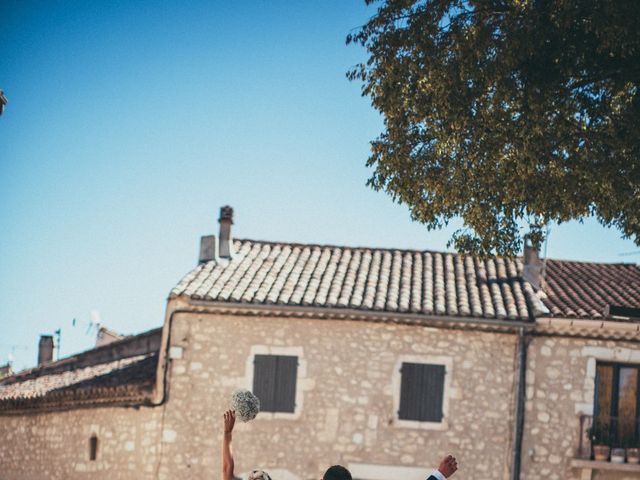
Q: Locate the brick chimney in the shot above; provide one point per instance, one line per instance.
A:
(533, 266)
(45, 350)
(225, 247)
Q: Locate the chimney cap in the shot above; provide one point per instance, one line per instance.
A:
(208, 248)
(226, 213)
(45, 350)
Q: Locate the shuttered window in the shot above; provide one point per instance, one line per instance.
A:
(274, 382)
(617, 404)
(421, 392)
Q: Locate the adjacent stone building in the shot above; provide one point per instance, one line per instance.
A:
(380, 360)
(585, 333)
(85, 416)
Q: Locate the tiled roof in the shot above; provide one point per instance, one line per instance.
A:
(122, 372)
(403, 281)
(584, 289)
(408, 281)
(120, 379)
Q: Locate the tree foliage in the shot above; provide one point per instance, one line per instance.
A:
(511, 114)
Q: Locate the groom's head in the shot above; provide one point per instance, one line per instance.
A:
(337, 472)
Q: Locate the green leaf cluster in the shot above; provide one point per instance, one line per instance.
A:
(511, 114)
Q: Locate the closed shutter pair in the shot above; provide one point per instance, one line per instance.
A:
(274, 382)
(421, 392)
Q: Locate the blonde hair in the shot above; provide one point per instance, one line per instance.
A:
(259, 475)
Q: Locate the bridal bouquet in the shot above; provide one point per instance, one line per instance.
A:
(245, 404)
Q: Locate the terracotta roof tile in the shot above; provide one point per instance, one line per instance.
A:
(584, 289)
(431, 283)
(372, 281)
(386, 280)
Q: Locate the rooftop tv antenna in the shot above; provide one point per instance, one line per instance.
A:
(92, 326)
(58, 334)
(12, 351)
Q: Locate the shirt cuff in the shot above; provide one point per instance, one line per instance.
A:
(436, 473)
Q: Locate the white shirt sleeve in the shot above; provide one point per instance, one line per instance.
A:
(436, 473)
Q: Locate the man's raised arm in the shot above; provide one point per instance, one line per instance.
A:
(447, 467)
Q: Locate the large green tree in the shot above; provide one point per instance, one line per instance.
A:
(510, 114)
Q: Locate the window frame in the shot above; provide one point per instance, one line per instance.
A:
(303, 384)
(615, 395)
(277, 381)
(447, 391)
(418, 397)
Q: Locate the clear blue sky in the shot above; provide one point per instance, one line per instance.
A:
(130, 123)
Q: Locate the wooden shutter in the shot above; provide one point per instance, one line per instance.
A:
(286, 375)
(432, 393)
(264, 381)
(421, 392)
(410, 390)
(274, 382)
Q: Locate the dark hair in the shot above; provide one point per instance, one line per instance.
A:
(337, 472)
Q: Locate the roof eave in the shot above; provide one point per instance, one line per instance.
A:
(588, 328)
(427, 320)
(21, 406)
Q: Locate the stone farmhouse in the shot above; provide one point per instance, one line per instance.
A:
(381, 360)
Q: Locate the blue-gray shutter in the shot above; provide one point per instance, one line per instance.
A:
(286, 376)
(410, 390)
(264, 381)
(274, 382)
(421, 392)
(432, 393)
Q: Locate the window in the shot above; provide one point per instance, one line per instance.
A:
(616, 404)
(274, 382)
(93, 447)
(421, 392)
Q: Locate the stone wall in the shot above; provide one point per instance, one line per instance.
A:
(56, 445)
(560, 387)
(347, 381)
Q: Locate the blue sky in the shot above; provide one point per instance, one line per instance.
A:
(130, 123)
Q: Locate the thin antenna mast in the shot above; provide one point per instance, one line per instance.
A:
(58, 334)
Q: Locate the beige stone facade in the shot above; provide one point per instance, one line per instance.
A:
(346, 400)
(347, 383)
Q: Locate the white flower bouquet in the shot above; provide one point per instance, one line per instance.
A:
(245, 404)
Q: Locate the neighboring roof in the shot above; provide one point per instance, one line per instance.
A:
(585, 289)
(369, 279)
(121, 373)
